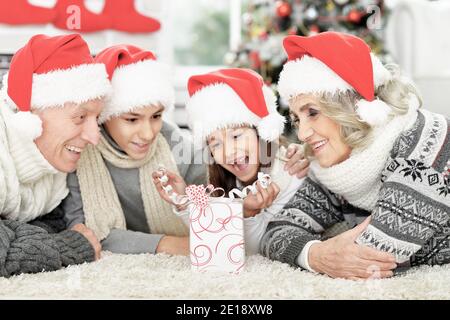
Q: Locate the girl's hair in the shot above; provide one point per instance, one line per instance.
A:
(218, 176)
(340, 107)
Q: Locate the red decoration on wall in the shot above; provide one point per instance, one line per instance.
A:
(126, 18)
(73, 15)
(20, 12)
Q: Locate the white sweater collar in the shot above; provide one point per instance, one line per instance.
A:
(358, 179)
(29, 185)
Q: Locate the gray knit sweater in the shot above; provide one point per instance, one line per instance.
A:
(42, 245)
(411, 217)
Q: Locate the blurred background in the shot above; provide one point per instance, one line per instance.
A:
(197, 36)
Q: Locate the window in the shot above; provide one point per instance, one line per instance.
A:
(204, 30)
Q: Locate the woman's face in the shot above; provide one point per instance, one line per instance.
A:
(135, 132)
(236, 150)
(320, 132)
(67, 131)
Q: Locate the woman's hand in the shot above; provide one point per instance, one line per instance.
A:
(341, 257)
(297, 164)
(90, 236)
(263, 198)
(174, 245)
(175, 181)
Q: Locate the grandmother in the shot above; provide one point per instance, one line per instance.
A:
(379, 165)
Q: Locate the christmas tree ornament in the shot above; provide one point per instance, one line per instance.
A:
(314, 29)
(292, 31)
(247, 19)
(311, 14)
(354, 16)
(20, 12)
(283, 9)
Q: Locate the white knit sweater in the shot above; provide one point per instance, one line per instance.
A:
(29, 186)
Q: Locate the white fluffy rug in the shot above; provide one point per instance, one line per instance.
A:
(165, 277)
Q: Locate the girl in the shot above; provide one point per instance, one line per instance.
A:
(112, 193)
(235, 114)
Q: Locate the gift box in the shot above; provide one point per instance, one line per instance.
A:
(216, 234)
(216, 225)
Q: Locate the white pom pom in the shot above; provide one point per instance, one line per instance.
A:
(271, 126)
(27, 125)
(375, 112)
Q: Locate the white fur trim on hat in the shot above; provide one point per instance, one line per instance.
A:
(138, 85)
(271, 126)
(218, 106)
(78, 85)
(375, 112)
(27, 125)
(310, 75)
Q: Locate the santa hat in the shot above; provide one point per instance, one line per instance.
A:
(335, 62)
(49, 72)
(232, 97)
(138, 80)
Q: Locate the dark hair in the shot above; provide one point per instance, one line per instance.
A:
(218, 176)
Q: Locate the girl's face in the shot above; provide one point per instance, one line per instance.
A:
(320, 132)
(237, 151)
(135, 132)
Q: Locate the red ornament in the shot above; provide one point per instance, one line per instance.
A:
(314, 29)
(264, 35)
(354, 16)
(283, 9)
(292, 31)
(255, 60)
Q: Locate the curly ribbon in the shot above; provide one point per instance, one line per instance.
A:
(199, 195)
(264, 180)
(204, 222)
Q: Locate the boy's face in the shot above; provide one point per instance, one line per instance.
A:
(236, 150)
(136, 131)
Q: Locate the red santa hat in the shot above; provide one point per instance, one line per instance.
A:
(137, 79)
(335, 62)
(230, 97)
(49, 72)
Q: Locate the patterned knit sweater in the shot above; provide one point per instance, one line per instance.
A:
(409, 201)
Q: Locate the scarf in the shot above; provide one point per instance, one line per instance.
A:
(358, 179)
(101, 205)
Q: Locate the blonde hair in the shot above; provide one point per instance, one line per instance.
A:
(340, 107)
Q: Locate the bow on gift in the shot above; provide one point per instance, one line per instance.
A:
(199, 194)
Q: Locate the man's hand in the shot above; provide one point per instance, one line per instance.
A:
(90, 236)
